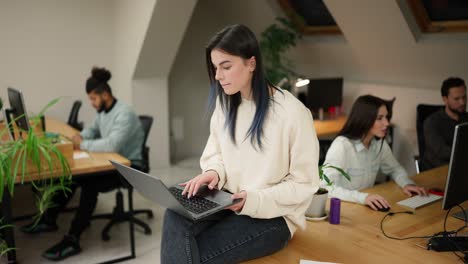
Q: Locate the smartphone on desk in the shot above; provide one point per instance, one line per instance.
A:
(436, 191)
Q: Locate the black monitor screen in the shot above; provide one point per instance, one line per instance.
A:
(456, 188)
(18, 109)
(324, 93)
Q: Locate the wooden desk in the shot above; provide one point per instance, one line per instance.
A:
(95, 163)
(4, 136)
(329, 127)
(358, 239)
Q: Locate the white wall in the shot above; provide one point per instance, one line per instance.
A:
(47, 49)
(382, 48)
(131, 23)
(378, 53)
(188, 80)
(151, 97)
(163, 36)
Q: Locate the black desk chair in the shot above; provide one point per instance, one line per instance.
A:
(423, 111)
(324, 145)
(73, 117)
(119, 214)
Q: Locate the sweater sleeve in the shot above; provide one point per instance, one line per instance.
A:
(120, 130)
(211, 158)
(336, 156)
(298, 187)
(92, 131)
(390, 166)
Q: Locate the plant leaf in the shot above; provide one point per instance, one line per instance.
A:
(49, 105)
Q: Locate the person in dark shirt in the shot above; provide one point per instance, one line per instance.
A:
(439, 127)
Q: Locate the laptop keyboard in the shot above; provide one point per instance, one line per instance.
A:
(195, 204)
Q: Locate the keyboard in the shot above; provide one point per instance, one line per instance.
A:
(195, 204)
(419, 201)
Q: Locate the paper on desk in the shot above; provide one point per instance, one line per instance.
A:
(314, 262)
(80, 155)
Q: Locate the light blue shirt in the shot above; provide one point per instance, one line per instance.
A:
(362, 165)
(118, 130)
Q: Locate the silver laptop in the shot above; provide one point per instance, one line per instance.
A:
(206, 202)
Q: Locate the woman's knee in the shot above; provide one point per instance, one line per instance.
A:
(173, 221)
(170, 216)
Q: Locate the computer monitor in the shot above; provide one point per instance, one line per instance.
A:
(17, 109)
(324, 93)
(456, 187)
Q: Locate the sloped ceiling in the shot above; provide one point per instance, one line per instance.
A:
(387, 50)
(165, 32)
(381, 43)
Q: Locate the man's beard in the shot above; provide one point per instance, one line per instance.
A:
(101, 108)
(457, 111)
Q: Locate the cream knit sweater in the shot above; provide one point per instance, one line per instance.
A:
(280, 179)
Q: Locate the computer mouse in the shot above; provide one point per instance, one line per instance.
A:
(383, 209)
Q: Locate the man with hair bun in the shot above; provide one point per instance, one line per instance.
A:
(116, 128)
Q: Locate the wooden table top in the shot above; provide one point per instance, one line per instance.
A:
(359, 239)
(329, 127)
(96, 162)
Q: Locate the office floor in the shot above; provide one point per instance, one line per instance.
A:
(30, 247)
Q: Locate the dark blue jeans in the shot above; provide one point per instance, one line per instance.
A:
(224, 237)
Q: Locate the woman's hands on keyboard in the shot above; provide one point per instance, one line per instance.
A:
(211, 178)
(411, 189)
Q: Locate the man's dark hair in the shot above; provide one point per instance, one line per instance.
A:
(451, 83)
(97, 82)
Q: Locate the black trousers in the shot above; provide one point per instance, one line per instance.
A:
(90, 188)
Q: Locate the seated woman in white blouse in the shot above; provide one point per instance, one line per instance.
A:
(360, 150)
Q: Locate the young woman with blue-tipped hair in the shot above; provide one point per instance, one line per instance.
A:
(262, 148)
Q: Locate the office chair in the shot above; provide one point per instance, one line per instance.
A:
(423, 111)
(119, 214)
(73, 117)
(324, 145)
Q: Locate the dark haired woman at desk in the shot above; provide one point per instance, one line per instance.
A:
(361, 150)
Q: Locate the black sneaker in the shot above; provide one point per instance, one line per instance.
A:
(40, 227)
(68, 247)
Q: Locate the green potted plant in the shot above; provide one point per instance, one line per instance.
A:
(34, 152)
(3, 244)
(275, 40)
(317, 207)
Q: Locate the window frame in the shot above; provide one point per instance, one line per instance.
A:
(303, 28)
(428, 26)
